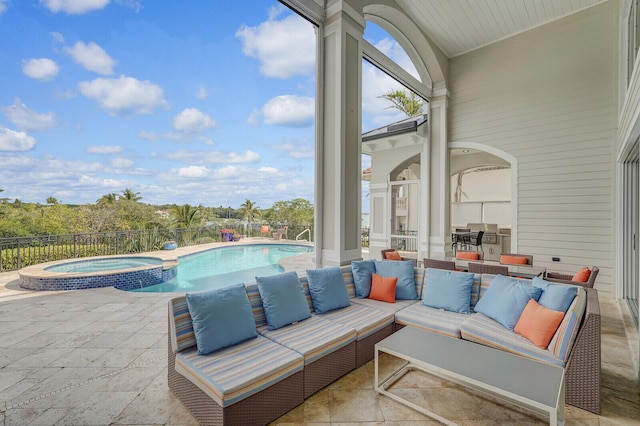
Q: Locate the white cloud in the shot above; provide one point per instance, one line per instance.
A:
(285, 47)
(27, 119)
(121, 163)
(11, 140)
(289, 111)
(296, 149)
(92, 57)
(42, 69)
(104, 149)
(124, 95)
(203, 92)
(192, 120)
(191, 172)
(74, 7)
(214, 157)
(376, 110)
(3, 5)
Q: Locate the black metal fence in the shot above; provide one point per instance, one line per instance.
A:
(18, 252)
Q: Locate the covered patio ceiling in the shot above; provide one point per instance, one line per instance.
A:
(460, 26)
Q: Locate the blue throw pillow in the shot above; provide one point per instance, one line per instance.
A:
(505, 300)
(283, 299)
(328, 289)
(448, 290)
(406, 285)
(221, 317)
(555, 296)
(362, 271)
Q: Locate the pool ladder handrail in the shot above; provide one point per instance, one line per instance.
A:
(300, 234)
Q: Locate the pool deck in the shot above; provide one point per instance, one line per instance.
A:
(98, 357)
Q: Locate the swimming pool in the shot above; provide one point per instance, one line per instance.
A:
(106, 264)
(220, 267)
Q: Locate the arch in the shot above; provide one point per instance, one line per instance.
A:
(406, 164)
(413, 41)
(513, 161)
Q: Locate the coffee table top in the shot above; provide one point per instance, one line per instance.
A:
(531, 379)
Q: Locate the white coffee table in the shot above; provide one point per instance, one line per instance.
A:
(525, 382)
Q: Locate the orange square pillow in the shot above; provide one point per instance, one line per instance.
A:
(383, 288)
(538, 323)
(582, 276)
(467, 255)
(392, 255)
(513, 260)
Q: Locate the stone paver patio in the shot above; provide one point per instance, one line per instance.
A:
(98, 357)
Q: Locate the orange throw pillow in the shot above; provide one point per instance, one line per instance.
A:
(392, 255)
(467, 255)
(383, 288)
(513, 260)
(582, 276)
(538, 323)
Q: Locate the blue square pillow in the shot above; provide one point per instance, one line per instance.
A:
(505, 300)
(406, 285)
(328, 289)
(221, 317)
(448, 290)
(283, 299)
(557, 297)
(362, 271)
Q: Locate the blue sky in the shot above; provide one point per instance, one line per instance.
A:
(207, 104)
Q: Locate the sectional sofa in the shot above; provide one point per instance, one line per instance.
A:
(288, 355)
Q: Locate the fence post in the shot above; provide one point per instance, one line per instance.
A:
(18, 253)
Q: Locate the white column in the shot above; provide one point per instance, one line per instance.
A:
(438, 196)
(339, 177)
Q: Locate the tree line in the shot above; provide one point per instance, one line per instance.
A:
(127, 211)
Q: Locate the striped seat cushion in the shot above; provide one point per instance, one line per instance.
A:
(237, 372)
(562, 341)
(481, 329)
(384, 306)
(181, 332)
(313, 337)
(364, 320)
(432, 319)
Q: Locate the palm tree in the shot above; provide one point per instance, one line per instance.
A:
(107, 199)
(129, 195)
(185, 216)
(250, 211)
(407, 102)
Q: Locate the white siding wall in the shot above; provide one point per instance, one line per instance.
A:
(549, 98)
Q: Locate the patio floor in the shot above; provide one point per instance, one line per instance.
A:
(98, 357)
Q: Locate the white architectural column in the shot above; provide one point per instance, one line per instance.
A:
(437, 187)
(339, 176)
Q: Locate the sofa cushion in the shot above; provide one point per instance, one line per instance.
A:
(482, 329)
(555, 296)
(582, 276)
(431, 319)
(328, 289)
(364, 320)
(448, 290)
(362, 270)
(312, 338)
(383, 288)
(404, 270)
(180, 325)
(506, 299)
(392, 255)
(221, 317)
(237, 372)
(563, 340)
(384, 306)
(538, 323)
(283, 299)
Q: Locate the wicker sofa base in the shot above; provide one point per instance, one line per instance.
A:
(365, 348)
(329, 368)
(258, 409)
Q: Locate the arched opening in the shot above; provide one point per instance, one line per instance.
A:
(404, 194)
(483, 195)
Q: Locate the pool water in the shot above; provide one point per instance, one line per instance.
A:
(99, 265)
(221, 267)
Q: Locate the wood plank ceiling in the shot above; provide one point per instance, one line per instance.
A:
(460, 26)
